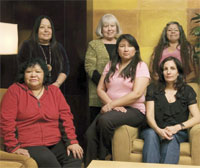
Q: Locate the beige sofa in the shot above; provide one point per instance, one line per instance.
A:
(126, 146)
(9, 160)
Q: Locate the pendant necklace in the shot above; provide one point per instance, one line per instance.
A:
(45, 57)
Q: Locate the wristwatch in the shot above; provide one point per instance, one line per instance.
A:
(182, 126)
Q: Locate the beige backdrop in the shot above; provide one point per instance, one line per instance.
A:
(145, 19)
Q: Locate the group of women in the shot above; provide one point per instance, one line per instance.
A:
(35, 117)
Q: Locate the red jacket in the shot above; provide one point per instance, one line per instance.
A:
(27, 121)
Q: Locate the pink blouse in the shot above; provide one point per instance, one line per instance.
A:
(118, 86)
(166, 53)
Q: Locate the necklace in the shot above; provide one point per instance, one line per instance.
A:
(39, 94)
(45, 57)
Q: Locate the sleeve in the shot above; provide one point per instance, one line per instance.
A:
(150, 93)
(90, 60)
(142, 70)
(66, 119)
(107, 68)
(8, 111)
(66, 65)
(191, 95)
(96, 77)
(24, 53)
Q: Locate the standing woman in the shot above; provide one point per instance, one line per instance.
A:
(99, 52)
(121, 89)
(168, 104)
(42, 43)
(173, 42)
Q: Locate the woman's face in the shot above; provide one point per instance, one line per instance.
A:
(126, 51)
(170, 71)
(109, 30)
(173, 33)
(34, 77)
(45, 32)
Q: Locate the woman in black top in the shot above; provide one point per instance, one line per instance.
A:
(42, 43)
(169, 102)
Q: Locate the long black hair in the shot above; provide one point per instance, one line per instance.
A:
(186, 50)
(130, 69)
(179, 83)
(57, 59)
(30, 63)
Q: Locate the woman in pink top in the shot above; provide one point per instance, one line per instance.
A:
(173, 42)
(121, 89)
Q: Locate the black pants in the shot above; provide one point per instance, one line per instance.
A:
(100, 133)
(94, 111)
(53, 156)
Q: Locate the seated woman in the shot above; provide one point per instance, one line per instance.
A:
(30, 114)
(168, 104)
(121, 89)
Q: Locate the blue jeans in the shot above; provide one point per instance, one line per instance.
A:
(157, 150)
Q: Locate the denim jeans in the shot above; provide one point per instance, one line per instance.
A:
(157, 150)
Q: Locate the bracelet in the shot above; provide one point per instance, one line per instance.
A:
(182, 126)
(58, 83)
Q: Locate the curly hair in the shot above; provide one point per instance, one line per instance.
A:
(31, 63)
(130, 69)
(186, 50)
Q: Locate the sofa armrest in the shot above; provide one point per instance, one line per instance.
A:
(122, 142)
(194, 138)
(11, 157)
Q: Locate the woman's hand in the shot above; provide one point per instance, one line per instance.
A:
(173, 129)
(121, 109)
(21, 151)
(106, 108)
(76, 150)
(165, 134)
(56, 84)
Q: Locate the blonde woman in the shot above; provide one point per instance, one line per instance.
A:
(99, 52)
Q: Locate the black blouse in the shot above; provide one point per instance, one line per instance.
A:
(167, 114)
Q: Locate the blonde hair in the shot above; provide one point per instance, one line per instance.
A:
(107, 18)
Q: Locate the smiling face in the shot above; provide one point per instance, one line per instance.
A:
(170, 71)
(109, 30)
(126, 51)
(34, 77)
(45, 32)
(173, 33)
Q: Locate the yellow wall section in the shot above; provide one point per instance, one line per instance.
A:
(114, 4)
(145, 19)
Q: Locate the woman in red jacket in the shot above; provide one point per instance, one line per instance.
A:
(30, 114)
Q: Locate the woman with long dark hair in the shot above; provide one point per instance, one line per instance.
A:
(121, 89)
(169, 102)
(173, 42)
(43, 44)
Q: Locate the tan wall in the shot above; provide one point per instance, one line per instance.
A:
(145, 19)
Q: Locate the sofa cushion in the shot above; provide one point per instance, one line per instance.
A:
(9, 164)
(137, 147)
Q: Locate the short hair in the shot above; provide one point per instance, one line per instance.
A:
(30, 63)
(107, 18)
